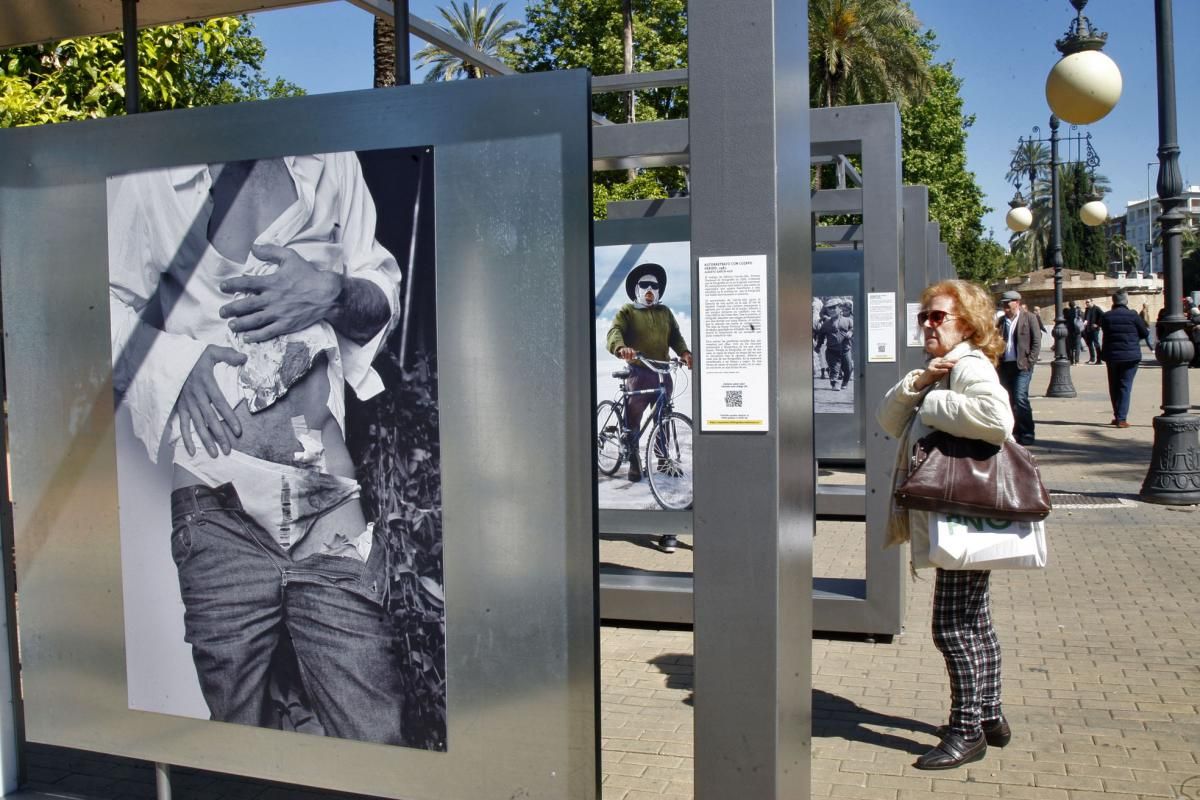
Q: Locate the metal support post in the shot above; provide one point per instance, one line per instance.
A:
(162, 781)
(132, 85)
(1060, 369)
(1174, 475)
(400, 29)
(753, 515)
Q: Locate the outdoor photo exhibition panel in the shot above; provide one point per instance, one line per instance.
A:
(875, 335)
(916, 274)
(271, 370)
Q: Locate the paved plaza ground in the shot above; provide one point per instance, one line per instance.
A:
(1101, 656)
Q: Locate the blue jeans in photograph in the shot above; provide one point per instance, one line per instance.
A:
(1120, 386)
(253, 615)
(1016, 383)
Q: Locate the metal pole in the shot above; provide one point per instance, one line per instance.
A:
(162, 781)
(1174, 475)
(1060, 369)
(1149, 219)
(129, 25)
(400, 29)
(753, 515)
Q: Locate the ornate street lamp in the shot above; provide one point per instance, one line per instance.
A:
(1174, 474)
(1093, 213)
(1085, 84)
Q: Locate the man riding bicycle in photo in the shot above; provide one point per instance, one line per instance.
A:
(646, 327)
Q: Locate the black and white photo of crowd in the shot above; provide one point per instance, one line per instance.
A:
(833, 354)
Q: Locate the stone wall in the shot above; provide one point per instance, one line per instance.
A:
(1037, 289)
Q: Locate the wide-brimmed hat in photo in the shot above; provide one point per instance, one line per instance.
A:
(641, 270)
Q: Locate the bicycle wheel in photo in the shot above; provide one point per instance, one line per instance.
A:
(608, 438)
(669, 461)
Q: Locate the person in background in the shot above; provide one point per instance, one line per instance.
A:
(1123, 333)
(1023, 344)
(1091, 330)
(1074, 322)
(958, 392)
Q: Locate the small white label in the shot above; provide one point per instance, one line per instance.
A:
(914, 328)
(881, 326)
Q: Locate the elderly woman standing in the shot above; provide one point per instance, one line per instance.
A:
(959, 393)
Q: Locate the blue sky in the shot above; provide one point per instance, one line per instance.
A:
(1002, 49)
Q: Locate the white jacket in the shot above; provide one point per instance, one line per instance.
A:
(970, 402)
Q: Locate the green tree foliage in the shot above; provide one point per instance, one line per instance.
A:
(484, 29)
(192, 64)
(865, 51)
(566, 34)
(1083, 246)
(934, 135)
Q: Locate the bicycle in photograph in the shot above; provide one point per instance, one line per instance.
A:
(668, 448)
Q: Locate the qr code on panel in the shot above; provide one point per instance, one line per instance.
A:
(733, 399)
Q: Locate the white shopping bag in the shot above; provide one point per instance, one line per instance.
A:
(964, 542)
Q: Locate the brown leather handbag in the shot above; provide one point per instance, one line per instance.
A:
(954, 475)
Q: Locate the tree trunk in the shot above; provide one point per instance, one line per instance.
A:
(631, 98)
(384, 37)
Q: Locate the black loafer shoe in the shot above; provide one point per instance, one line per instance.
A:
(996, 732)
(953, 751)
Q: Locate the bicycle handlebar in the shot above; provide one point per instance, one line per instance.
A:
(650, 362)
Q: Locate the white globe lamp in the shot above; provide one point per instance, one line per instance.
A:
(1083, 87)
(1019, 219)
(1093, 213)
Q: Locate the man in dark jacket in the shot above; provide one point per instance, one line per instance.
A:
(1091, 330)
(1123, 333)
(1023, 344)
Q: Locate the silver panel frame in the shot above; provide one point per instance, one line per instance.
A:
(916, 266)
(874, 605)
(512, 197)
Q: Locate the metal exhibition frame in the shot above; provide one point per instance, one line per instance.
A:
(875, 604)
(519, 544)
(748, 152)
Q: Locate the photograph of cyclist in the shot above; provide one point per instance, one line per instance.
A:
(648, 327)
(644, 398)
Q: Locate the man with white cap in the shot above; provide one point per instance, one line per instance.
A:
(1023, 338)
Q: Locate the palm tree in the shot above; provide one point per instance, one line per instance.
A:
(1031, 162)
(482, 29)
(863, 51)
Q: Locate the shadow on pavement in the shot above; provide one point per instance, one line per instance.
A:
(835, 716)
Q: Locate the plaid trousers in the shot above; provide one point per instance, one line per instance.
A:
(963, 632)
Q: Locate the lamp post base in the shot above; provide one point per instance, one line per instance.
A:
(1060, 379)
(1174, 476)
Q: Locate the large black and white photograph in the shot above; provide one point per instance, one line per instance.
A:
(643, 376)
(276, 384)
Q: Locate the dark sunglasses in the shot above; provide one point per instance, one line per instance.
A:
(647, 285)
(934, 318)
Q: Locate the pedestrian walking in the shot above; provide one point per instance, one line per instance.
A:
(1123, 333)
(958, 392)
(1074, 320)
(1091, 330)
(1023, 343)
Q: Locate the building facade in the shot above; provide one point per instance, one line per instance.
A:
(1142, 229)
